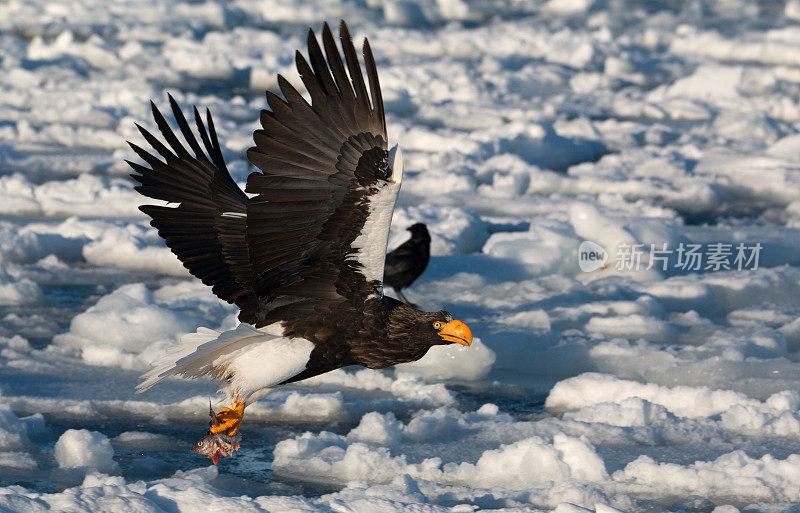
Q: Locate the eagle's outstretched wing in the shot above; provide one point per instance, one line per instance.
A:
(206, 230)
(313, 235)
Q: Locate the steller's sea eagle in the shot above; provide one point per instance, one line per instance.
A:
(303, 255)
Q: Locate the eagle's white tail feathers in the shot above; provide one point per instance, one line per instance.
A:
(201, 353)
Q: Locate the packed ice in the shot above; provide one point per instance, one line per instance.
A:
(655, 370)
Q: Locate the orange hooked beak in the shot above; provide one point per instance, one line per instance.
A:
(458, 332)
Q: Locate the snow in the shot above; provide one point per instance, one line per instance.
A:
(765, 478)
(129, 323)
(79, 448)
(453, 362)
(515, 466)
(15, 432)
(527, 130)
(18, 291)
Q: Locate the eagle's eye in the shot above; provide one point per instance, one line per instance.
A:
(437, 325)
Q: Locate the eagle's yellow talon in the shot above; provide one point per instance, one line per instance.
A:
(230, 418)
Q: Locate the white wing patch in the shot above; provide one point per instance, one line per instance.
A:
(370, 245)
(266, 364)
(253, 358)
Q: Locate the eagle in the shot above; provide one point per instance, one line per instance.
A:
(301, 250)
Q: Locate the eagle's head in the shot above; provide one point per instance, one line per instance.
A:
(448, 330)
(428, 328)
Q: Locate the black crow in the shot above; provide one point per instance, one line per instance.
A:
(406, 263)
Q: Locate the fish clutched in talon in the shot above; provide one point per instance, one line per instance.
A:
(228, 419)
(219, 440)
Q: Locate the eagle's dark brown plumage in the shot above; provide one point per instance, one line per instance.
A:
(301, 256)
